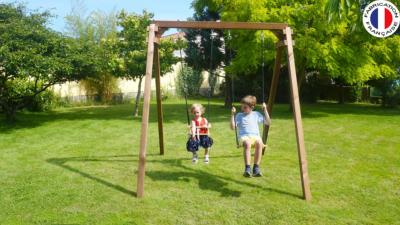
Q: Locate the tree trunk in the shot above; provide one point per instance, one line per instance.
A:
(384, 99)
(136, 107)
(301, 79)
(211, 83)
(228, 92)
(10, 112)
(341, 95)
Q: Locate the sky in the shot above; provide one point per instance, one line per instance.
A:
(162, 9)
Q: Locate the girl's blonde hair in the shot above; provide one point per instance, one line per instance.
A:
(249, 100)
(197, 105)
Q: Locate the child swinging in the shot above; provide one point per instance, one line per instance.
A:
(199, 134)
(249, 135)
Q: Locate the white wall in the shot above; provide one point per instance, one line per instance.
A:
(130, 87)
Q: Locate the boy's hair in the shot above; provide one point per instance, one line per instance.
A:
(249, 100)
(197, 105)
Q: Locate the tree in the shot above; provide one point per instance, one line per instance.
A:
(188, 81)
(384, 54)
(199, 54)
(387, 53)
(334, 49)
(99, 30)
(133, 49)
(33, 57)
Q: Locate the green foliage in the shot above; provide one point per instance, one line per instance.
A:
(389, 89)
(205, 48)
(132, 46)
(44, 101)
(132, 43)
(99, 30)
(103, 85)
(198, 51)
(33, 57)
(336, 49)
(188, 80)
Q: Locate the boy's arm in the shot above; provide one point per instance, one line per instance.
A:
(233, 124)
(267, 119)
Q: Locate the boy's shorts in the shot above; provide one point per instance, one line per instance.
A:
(251, 138)
(193, 145)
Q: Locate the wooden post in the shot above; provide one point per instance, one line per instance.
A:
(158, 93)
(297, 116)
(146, 111)
(272, 91)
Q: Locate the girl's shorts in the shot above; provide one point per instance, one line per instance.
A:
(193, 145)
(251, 138)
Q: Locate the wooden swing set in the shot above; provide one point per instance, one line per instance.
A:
(284, 34)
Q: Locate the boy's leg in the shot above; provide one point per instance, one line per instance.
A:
(258, 151)
(246, 152)
(257, 158)
(247, 158)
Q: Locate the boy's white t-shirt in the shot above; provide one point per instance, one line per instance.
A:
(248, 123)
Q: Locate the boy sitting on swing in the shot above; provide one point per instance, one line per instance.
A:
(199, 135)
(249, 135)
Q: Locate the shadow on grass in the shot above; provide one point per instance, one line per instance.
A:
(206, 181)
(61, 163)
(178, 163)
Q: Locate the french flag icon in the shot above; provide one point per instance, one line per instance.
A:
(381, 18)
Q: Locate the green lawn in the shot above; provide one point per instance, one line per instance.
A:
(77, 166)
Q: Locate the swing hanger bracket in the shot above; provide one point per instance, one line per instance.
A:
(284, 43)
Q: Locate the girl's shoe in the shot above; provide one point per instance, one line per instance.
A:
(194, 158)
(206, 159)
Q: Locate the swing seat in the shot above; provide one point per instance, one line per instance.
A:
(252, 139)
(193, 145)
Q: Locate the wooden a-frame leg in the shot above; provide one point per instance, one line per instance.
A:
(272, 91)
(297, 116)
(158, 93)
(146, 111)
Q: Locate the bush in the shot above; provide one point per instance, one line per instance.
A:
(389, 89)
(310, 89)
(102, 86)
(189, 78)
(393, 95)
(45, 101)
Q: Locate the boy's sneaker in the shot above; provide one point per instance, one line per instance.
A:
(247, 172)
(256, 172)
(194, 158)
(206, 159)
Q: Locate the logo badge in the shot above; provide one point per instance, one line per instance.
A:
(381, 18)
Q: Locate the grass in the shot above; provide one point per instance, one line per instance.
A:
(78, 165)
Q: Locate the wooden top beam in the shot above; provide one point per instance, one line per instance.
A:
(220, 25)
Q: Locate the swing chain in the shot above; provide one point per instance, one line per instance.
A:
(262, 48)
(263, 66)
(213, 34)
